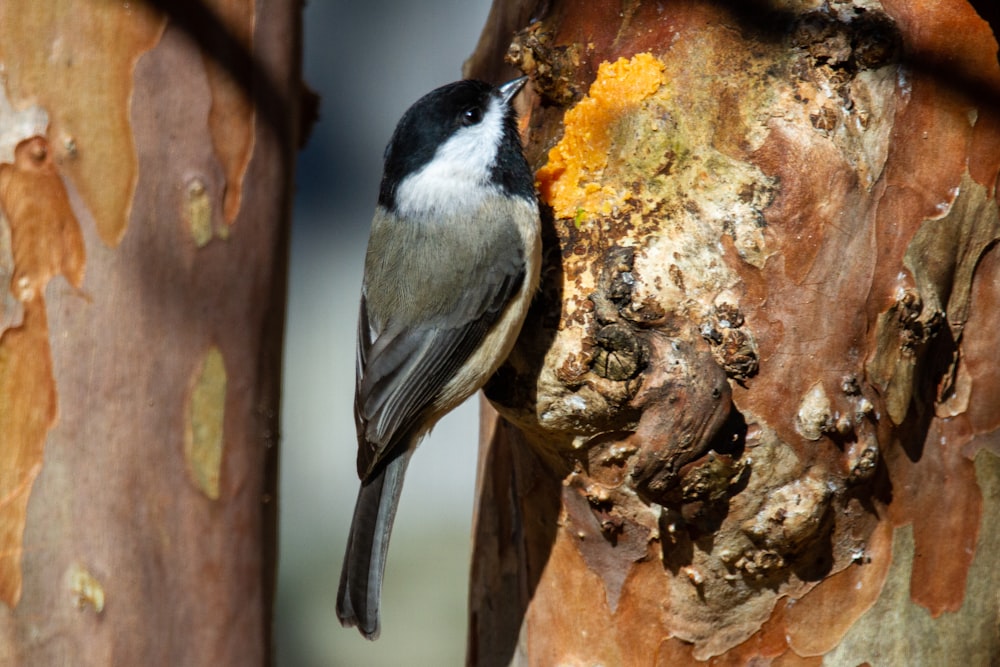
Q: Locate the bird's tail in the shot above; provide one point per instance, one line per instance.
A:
(364, 562)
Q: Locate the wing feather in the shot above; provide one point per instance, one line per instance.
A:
(402, 370)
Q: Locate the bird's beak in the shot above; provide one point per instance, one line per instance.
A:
(510, 89)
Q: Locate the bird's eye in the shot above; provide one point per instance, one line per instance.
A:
(472, 115)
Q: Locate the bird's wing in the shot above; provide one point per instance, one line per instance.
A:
(401, 370)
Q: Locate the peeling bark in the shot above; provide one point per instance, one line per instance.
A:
(754, 421)
(145, 180)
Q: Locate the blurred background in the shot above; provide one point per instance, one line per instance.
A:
(368, 61)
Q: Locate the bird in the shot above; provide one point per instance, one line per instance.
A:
(452, 265)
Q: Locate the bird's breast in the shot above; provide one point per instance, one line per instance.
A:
(422, 268)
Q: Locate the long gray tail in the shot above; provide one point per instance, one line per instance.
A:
(364, 562)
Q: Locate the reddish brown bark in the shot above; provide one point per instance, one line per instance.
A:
(140, 392)
(754, 419)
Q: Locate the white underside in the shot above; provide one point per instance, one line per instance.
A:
(498, 343)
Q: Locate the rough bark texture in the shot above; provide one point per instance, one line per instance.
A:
(753, 417)
(146, 157)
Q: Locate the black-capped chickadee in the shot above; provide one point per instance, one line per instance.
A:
(452, 264)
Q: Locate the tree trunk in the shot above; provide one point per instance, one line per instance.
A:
(146, 153)
(753, 417)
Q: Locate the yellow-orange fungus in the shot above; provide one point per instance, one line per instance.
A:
(569, 182)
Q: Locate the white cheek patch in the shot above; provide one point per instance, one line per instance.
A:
(458, 175)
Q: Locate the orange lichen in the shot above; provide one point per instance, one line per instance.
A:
(569, 181)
